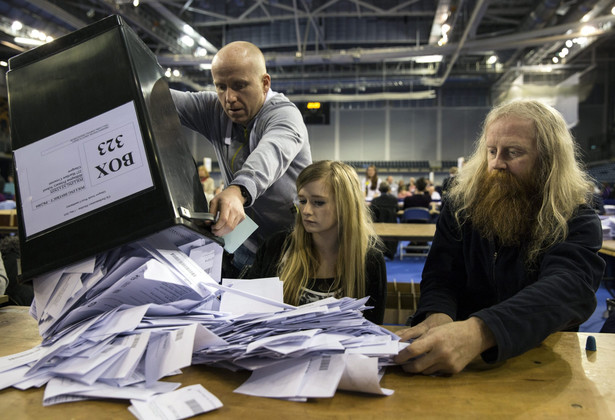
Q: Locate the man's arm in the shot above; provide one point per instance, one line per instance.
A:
(562, 297)
(197, 111)
(444, 275)
(280, 136)
(440, 344)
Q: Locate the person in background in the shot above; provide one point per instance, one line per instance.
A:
(370, 183)
(260, 140)
(392, 185)
(412, 185)
(448, 181)
(432, 191)
(7, 201)
(333, 249)
(402, 190)
(207, 182)
(515, 254)
(4, 280)
(607, 191)
(420, 198)
(386, 202)
(19, 293)
(384, 210)
(597, 202)
(2, 183)
(219, 188)
(9, 188)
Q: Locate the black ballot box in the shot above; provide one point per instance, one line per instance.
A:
(98, 150)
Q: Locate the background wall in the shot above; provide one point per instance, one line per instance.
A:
(382, 133)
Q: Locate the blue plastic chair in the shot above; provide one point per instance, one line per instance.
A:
(414, 215)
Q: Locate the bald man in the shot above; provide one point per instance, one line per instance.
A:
(260, 140)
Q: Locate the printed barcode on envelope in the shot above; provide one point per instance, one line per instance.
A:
(324, 363)
(194, 406)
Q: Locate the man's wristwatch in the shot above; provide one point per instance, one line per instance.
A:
(245, 194)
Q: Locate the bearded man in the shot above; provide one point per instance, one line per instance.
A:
(515, 255)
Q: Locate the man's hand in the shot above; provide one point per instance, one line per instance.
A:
(430, 322)
(444, 347)
(229, 203)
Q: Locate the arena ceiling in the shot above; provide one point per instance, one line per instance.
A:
(347, 49)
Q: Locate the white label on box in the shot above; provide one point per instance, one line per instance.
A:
(87, 166)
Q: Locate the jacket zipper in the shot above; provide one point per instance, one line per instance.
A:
(495, 257)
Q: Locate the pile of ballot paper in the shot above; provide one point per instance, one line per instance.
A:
(113, 326)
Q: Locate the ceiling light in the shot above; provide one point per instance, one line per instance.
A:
(445, 28)
(167, 73)
(188, 29)
(613, 11)
(176, 73)
(586, 18)
(135, 3)
(569, 44)
(3, 63)
(17, 26)
(200, 52)
(205, 66)
(186, 40)
(587, 30)
(428, 59)
(28, 41)
(492, 60)
(555, 60)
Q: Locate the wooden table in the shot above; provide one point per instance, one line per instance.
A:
(8, 221)
(558, 379)
(608, 247)
(419, 232)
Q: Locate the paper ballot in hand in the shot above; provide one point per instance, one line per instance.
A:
(238, 236)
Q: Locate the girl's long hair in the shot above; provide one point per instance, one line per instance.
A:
(374, 179)
(356, 235)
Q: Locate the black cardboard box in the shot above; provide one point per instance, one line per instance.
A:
(98, 152)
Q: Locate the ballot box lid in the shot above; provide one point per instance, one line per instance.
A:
(98, 150)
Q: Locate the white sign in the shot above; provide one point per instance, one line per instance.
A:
(82, 168)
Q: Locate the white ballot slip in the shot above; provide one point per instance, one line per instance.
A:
(180, 404)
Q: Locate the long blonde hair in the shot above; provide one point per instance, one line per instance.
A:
(355, 235)
(564, 184)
